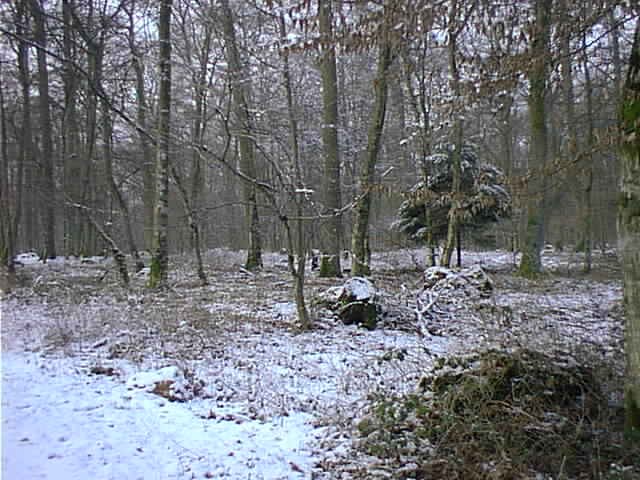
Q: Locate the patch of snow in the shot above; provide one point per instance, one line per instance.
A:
(284, 309)
(60, 424)
(148, 379)
(27, 258)
(359, 288)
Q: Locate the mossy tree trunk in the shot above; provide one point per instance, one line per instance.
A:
(244, 131)
(629, 234)
(531, 264)
(160, 261)
(360, 236)
(331, 227)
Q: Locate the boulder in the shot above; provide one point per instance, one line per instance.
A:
(354, 302)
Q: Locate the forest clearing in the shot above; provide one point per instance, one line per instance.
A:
(219, 382)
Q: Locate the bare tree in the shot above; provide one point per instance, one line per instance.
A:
(360, 236)
(241, 98)
(160, 262)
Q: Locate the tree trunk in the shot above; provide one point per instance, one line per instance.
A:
(629, 234)
(299, 247)
(160, 261)
(360, 236)
(531, 264)
(331, 228)
(48, 193)
(587, 175)
(244, 131)
(455, 210)
(107, 142)
(26, 157)
(10, 197)
(71, 137)
(148, 165)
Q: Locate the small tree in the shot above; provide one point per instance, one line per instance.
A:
(484, 200)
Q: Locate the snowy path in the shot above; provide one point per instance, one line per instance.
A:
(59, 423)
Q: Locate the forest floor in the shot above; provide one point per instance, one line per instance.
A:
(216, 381)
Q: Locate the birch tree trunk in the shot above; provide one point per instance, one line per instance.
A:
(629, 234)
(160, 261)
(241, 97)
(360, 236)
(48, 193)
(331, 228)
(531, 264)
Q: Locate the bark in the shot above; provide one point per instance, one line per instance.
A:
(530, 263)
(360, 236)
(629, 234)
(160, 261)
(48, 193)
(241, 97)
(331, 228)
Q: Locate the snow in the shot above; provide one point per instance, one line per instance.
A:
(59, 423)
(359, 288)
(27, 258)
(256, 397)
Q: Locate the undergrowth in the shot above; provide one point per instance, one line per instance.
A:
(501, 415)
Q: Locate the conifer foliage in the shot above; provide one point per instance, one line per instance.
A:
(485, 199)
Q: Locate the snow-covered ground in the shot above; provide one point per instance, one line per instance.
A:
(59, 423)
(87, 366)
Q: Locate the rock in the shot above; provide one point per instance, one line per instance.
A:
(359, 313)
(355, 302)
